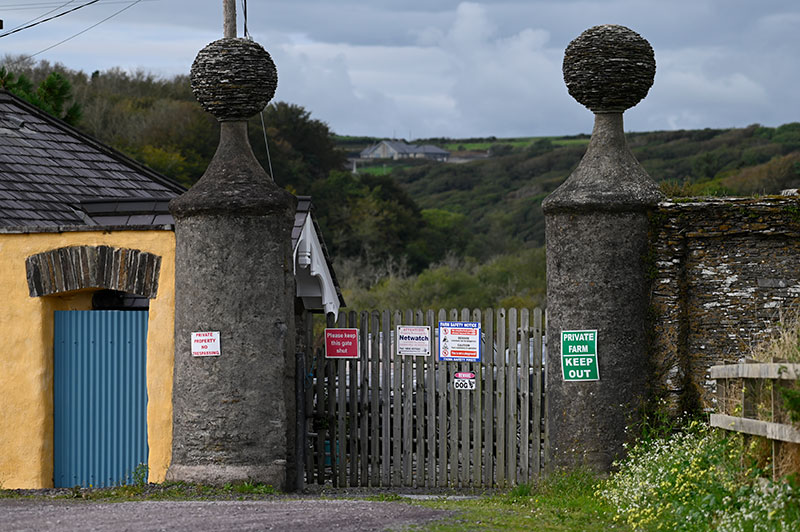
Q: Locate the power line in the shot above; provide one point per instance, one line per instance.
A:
(85, 30)
(44, 14)
(30, 6)
(49, 18)
(244, 10)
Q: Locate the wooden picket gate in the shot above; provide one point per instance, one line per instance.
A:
(388, 421)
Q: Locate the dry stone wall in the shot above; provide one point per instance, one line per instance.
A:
(723, 273)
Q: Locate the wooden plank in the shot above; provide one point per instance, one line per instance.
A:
(453, 417)
(419, 363)
(330, 397)
(500, 385)
(408, 409)
(441, 419)
(308, 383)
(475, 413)
(488, 401)
(330, 383)
(511, 398)
(374, 396)
(341, 416)
(545, 465)
(767, 429)
(464, 410)
(430, 404)
(397, 409)
(353, 410)
(386, 418)
(536, 393)
(756, 371)
(524, 396)
(364, 401)
(320, 412)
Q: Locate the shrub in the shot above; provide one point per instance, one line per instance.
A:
(693, 480)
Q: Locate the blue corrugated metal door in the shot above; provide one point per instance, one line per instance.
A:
(100, 397)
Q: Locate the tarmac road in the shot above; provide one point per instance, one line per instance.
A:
(317, 515)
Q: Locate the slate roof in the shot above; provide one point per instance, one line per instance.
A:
(47, 168)
(53, 175)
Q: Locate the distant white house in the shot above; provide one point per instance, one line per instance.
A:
(397, 149)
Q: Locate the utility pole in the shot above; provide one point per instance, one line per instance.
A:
(229, 19)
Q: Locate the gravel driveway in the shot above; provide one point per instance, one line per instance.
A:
(317, 515)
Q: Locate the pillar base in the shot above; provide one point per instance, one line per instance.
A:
(218, 475)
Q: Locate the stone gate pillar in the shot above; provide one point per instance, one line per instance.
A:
(234, 411)
(597, 243)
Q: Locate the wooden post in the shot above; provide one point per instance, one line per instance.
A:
(442, 424)
(229, 16)
(430, 389)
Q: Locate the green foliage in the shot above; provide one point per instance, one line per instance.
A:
(692, 480)
(301, 149)
(52, 95)
(140, 475)
(249, 487)
(791, 402)
(514, 280)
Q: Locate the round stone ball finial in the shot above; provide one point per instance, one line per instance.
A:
(233, 79)
(609, 68)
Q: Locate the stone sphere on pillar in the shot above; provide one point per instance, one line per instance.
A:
(233, 79)
(609, 68)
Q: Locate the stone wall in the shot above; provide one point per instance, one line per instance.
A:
(723, 272)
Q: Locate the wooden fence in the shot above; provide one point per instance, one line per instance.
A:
(387, 420)
(749, 402)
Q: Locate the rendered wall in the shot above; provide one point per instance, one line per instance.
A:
(26, 360)
(723, 273)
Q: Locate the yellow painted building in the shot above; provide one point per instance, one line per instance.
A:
(81, 223)
(26, 365)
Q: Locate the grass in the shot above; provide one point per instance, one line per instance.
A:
(177, 491)
(785, 346)
(564, 502)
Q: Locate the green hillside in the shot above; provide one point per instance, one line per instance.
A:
(408, 232)
(500, 197)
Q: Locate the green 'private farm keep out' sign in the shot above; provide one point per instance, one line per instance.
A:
(579, 355)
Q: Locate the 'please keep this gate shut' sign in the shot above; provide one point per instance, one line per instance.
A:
(579, 356)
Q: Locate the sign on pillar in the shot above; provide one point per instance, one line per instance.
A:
(579, 356)
(205, 344)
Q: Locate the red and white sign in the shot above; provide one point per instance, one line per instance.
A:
(205, 344)
(341, 343)
(464, 380)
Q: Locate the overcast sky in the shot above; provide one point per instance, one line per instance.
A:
(425, 68)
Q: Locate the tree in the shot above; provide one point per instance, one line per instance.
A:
(52, 95)
(301, 148)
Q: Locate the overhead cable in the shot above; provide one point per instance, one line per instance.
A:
(49, 18)
(44, 14)
(87, 29)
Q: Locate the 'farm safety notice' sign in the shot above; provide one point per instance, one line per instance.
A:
(460, 341)
(579, 356)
